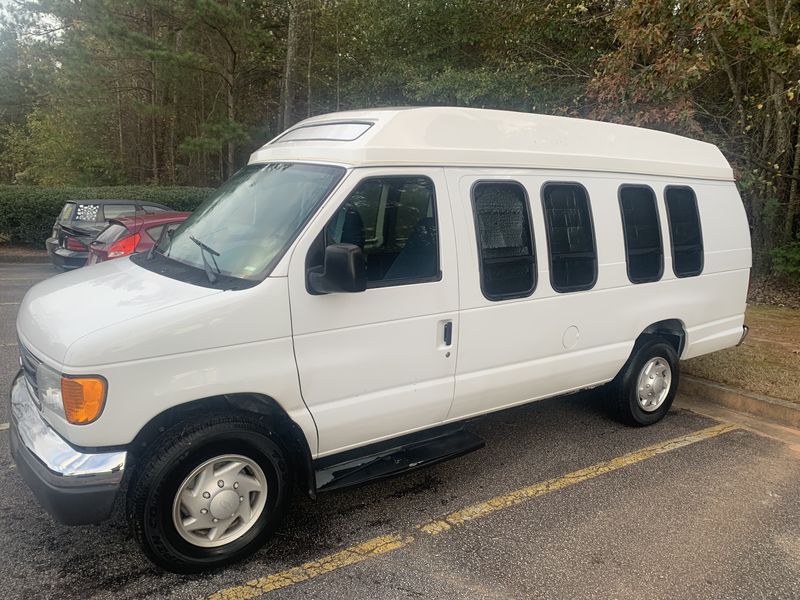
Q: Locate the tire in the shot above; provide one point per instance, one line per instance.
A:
(220, 443)
(658, 357)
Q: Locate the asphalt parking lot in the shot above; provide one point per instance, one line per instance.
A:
(563, 502)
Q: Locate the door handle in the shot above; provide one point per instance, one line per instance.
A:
(448, 333)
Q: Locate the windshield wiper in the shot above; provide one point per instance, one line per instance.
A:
(212, 277)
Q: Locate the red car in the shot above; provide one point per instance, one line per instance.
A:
(129, 235)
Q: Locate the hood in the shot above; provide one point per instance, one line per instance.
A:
(63, 309)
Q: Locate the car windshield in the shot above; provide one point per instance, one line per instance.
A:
(248, 223)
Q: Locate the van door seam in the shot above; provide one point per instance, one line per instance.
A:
(297, 369)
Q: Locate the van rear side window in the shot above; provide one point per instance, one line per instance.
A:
(643, 248)
(684, 230)
(570, 236)
(505, 243)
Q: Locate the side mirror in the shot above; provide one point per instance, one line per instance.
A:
(344, 271)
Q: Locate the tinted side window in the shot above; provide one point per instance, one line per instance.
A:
(393, 220)
(113, 211)
(505, 244)
(643, 247)
(570, 236)
(684, 231)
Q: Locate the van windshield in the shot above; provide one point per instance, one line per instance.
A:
(250, 221)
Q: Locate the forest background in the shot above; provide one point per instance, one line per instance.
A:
(166, 93)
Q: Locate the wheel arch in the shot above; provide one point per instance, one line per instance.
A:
(672, 330)
(288, 432)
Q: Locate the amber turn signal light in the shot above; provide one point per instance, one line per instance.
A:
(83, 398)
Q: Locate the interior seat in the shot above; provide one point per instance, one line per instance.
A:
(352, 228)
(418, 256)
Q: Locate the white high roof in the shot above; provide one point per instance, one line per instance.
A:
(445, 136)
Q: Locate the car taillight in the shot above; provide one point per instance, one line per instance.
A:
(72, 244)
(124, 247)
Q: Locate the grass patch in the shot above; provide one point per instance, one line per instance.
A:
(767, 363)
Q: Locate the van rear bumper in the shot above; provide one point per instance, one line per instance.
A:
(75, 487)
(745, 331)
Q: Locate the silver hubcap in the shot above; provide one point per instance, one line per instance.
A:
(220, 501)
(655, 379)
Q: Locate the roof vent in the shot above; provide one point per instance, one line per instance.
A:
(340, 131)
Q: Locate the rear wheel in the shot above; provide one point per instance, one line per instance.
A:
(642, 393)
(210, 492)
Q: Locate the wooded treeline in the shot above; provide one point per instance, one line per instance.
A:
(179, 92)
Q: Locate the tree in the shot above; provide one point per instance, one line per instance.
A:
(726, 71)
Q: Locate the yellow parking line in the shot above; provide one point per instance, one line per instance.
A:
(348, 556)
(388, 543)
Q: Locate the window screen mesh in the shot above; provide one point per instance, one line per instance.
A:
(684, 227)
(644, 251)
(573, 261)
(508, 268)
(87, 212)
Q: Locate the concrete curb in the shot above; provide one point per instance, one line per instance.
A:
(24, 258)
(779, 411)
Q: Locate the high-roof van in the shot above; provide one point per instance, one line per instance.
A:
(339, 308)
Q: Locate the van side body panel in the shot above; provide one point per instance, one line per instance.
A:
(550, 343)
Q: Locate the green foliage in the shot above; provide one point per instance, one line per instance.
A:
(56, 148)
(786, 260)
(109, 92)
(27, 213)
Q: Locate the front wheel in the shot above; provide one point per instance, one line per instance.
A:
(209, 493)
(642, 393)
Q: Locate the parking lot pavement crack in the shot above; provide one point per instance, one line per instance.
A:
(388, 543)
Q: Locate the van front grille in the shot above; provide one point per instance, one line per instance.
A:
(29, 364)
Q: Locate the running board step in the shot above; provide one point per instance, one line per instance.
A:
(397, 459)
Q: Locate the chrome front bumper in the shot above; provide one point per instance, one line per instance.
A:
(74, 487)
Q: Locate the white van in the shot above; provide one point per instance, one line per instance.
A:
(343, 303)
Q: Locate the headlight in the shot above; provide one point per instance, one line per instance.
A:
(49, 383)
(84, 398)
(80, 400)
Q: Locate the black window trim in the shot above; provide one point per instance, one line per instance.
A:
(513, 295)
(437, 276)
(699, 227)
(625, 234)
(574, 288)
